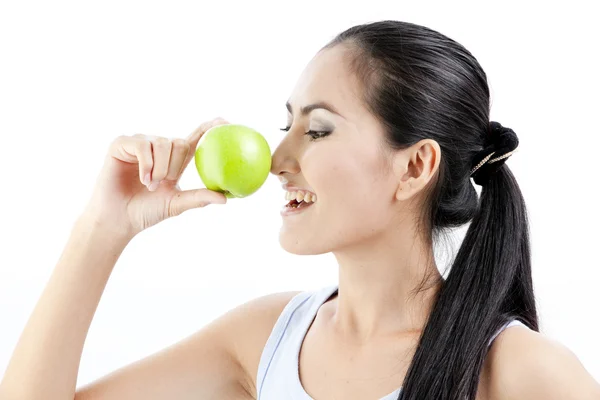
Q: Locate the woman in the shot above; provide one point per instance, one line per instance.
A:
(386, 126)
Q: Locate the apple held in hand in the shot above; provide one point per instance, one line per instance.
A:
(233, 159)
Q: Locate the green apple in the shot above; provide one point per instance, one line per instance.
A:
(233, 159)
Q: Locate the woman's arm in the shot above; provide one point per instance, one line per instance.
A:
(136, 188)
(219, 361)
(45, 362)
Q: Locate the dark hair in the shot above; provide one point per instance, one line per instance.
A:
(424, 85)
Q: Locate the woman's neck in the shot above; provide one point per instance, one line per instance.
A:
(379, 284)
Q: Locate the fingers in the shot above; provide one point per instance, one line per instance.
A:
(160, 158)
(145, 161)
(134, 150)
(161, 150)
(169, 158)
(196, 198)
(195, 136)
(179, 153)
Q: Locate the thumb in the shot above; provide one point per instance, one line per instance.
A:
(188, 199)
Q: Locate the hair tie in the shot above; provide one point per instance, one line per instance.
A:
(500, 142)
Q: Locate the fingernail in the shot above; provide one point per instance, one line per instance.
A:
(146, 179)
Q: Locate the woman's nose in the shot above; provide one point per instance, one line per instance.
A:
(284, 160)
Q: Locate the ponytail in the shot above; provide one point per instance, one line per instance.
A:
(488, 285)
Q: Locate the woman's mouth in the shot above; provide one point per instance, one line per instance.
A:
(298, 201)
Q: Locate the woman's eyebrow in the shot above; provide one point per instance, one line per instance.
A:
(307, 109)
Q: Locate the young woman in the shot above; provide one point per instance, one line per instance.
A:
(387, 125)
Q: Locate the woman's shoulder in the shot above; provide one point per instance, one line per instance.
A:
(254, 322)
(523, 363)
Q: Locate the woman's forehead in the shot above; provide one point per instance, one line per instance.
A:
(327, 78)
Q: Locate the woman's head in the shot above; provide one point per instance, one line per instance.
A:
(414, 120)
(410, 110)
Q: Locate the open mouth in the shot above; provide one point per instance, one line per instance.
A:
(298, 200)
(298, 204)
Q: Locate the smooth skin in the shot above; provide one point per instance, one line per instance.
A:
(361, 341)
(136, 189)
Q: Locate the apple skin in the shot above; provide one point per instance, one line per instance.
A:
(233, 159)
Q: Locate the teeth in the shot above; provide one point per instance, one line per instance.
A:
(301, 195)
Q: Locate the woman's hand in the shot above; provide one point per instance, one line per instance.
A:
(137, 186)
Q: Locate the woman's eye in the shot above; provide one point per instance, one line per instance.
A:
(314, 135)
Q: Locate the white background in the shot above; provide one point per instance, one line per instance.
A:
(74, 75)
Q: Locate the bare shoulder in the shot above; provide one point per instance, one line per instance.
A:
(524, 364)
(249, 326)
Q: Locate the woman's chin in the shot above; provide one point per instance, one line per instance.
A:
(295, 245)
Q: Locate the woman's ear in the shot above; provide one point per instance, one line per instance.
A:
(415, 166)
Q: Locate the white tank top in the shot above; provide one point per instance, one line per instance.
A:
(278, 372)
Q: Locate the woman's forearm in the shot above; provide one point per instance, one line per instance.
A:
(45, 362)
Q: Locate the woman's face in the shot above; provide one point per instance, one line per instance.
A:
(347, 169)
